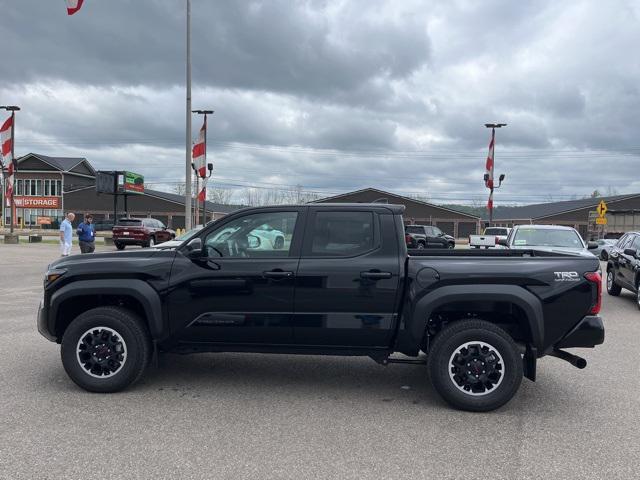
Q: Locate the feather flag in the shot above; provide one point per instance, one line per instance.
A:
(200, 151)
(6, 139)
(73, 6)
(489, 171)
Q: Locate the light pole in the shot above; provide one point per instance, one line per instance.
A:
(204, 200)
(488, 176)
(205, 113)
(13, 109)
(187, 172)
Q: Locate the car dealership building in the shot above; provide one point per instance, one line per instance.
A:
(47, 187)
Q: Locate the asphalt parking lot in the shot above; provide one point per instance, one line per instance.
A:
(258, 416)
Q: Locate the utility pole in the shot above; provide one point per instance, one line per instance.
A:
(12, 206)
(187, 167)
(488, 176)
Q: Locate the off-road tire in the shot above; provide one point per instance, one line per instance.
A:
(445, 346)
(119, 246)
(129, 327)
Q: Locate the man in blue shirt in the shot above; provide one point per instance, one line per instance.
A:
(66, 232)
(87, 235)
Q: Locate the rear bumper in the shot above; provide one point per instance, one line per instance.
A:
(43, 324)
(130, 240)
(589, 332)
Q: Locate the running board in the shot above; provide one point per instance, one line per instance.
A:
(422, 360)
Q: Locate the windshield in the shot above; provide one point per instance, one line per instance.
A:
(188, 234)
(129, 222)
(547, 238)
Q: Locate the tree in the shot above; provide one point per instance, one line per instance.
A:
(595, 194)
(221, 196)
(179, 188)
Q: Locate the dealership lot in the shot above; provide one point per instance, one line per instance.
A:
(246, 415)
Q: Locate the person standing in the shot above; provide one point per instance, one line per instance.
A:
(87, 235)
(66, 233)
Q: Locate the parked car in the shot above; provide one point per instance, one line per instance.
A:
(427, 236)
(551, 238)
(179, 240)
(623, 266)
(490, 238)
(604, 246)
(343, 285)
(145, 232)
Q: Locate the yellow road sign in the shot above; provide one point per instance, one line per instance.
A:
(602, 210)
(601, 221)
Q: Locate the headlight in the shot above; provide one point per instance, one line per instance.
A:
(52, 275)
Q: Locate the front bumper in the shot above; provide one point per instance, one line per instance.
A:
(43, 326)
(588, 333)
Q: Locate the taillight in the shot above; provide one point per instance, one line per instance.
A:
(594, 277)
(497, 240)
(407, 239)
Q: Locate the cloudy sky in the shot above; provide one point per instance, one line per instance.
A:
(337, 95)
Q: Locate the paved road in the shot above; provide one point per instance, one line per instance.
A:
(258, 416)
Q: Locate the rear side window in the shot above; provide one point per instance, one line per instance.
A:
(342, 234)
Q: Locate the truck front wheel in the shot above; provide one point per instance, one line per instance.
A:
(106, 349)
(475, 365)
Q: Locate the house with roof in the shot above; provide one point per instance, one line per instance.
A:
(46, 187)
(623, 215)
(418, 212)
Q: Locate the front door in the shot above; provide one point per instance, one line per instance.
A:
(348, 279)
(241, 289)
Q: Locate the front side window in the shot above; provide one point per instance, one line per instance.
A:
(342, 234)
(266, 234)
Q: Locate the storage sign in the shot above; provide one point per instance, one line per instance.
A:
(133, 183)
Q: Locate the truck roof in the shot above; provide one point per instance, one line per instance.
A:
(393, 208)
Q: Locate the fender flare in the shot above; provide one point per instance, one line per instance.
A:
(524, 299)
(137, 289)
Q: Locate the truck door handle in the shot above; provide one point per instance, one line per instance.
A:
(277, 274)
(375, 275)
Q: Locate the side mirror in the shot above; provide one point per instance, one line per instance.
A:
(194, 247)
(503, 242)
(631, 252)
(592, 245)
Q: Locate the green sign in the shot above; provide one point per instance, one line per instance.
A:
(133, 182)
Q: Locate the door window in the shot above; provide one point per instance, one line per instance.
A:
(342, 234)
(261, 235)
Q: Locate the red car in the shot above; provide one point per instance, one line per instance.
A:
(145, 232)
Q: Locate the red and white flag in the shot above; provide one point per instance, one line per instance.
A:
(202, 194)
(489, 170)
(73, 6)
(489, 164)
(6, 138)
(200, 151)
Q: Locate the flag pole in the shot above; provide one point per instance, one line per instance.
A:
(12, 208)
(187, 174)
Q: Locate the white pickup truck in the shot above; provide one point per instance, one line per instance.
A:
(490, 237)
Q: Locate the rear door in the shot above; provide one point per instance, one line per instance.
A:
(627, 270)
(348, 278)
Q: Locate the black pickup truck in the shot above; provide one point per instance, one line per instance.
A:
(341, 283)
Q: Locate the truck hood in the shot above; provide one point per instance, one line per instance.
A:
(570, 250)
(97, 258)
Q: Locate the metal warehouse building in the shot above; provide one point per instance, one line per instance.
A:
(453, 222)
(46, 187)
(623, 215)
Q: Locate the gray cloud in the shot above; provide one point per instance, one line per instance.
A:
(338, 95)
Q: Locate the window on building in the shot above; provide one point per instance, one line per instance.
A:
(19, 187)
(47, 188)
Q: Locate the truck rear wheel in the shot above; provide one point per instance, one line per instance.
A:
(106, 349)
(475, 365)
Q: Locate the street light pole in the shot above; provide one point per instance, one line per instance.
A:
(187, 171)
(204, 200)
(13, 109)
(488, 177)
